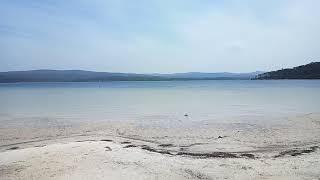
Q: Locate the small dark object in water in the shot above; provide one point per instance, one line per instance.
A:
(186, 115)
(108, 148)
(129, 146)
(106, 140)
(13, 148)
(220, 137)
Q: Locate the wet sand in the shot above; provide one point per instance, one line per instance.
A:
(113, 150)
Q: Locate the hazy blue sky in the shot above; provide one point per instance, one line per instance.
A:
(158, 35)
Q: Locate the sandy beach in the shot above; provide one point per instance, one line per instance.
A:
(114, 150)
(159, 90)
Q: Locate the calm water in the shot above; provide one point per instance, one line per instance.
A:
(161, 102)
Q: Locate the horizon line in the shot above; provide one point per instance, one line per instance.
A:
(151, 73)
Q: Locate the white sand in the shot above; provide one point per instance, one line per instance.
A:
(91, 160)
(80, 154)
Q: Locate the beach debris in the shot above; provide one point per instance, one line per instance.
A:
(150, 149)
(166, 145)
(216, 155)
(251, 156)
(125, 142)
(108, 148)
(13, 148)
(297, 152)
(196, 175)
(246, 167)
(40, 145)
(220, 137)
(106, 140)
(88, 140)
(194, 144)
(194, 154)
(183, 149)
(130, 146)
(209, 155)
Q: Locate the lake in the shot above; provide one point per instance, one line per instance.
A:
(160, 102)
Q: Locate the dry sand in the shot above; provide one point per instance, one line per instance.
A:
(113, 150)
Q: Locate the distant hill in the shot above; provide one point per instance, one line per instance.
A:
(308, 71)
(70, 76)
(220, 75)
(91, 76)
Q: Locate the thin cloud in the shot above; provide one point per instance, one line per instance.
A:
(158, 36)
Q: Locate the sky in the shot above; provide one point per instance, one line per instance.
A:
(159, 36)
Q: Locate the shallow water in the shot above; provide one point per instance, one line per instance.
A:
(160, 103)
